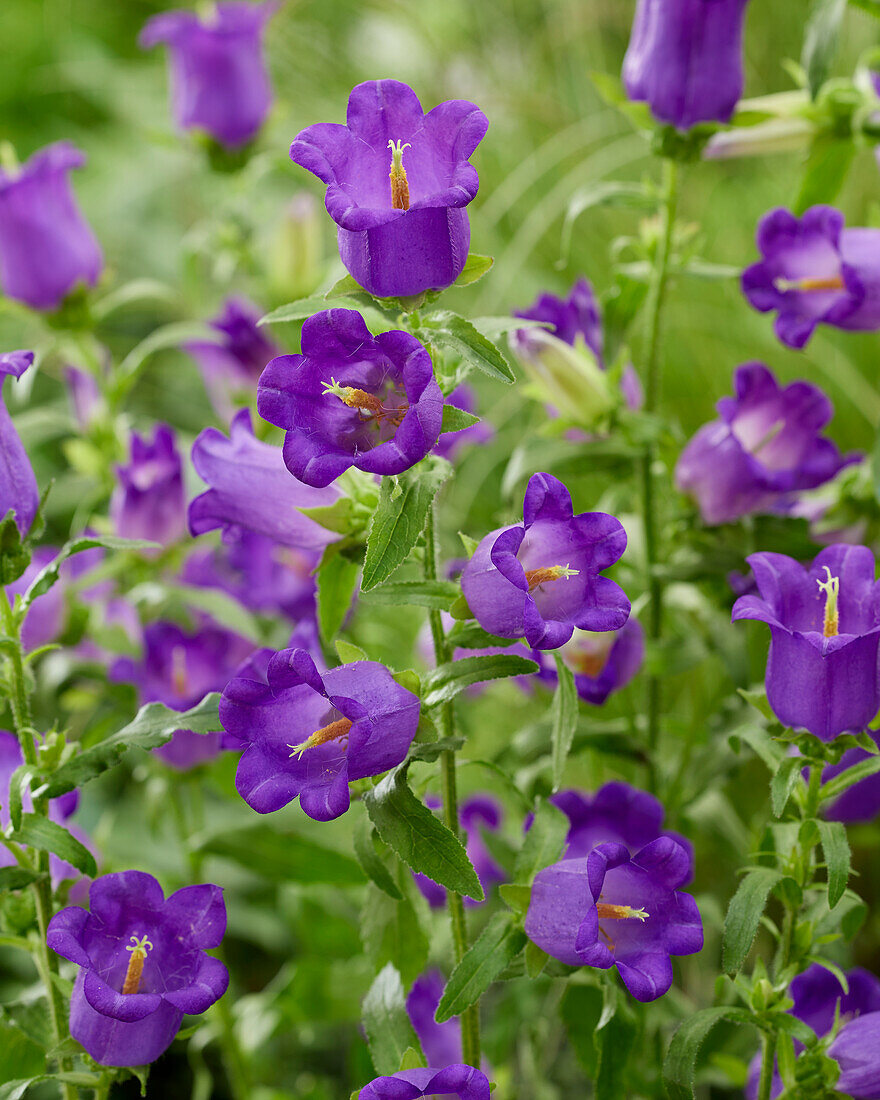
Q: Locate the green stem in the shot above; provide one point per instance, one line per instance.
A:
(470, 1018)
(814, 787)
(768, 1057)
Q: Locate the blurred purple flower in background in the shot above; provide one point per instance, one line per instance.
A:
(18, 483)
(474, 813)
(149, 501)
(857, 1051)
(449, 443)
(440, 1043)
(602, 663)
(45, 618)
(86, 402)
(861, 801)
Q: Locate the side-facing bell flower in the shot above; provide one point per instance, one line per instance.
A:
(814, 271)
(857, 1051)
(219, 80)
(18, 483)
(463, 1082)
(142, 964)
(765, 446)
(614, 909)
(685, 59)
(352, 399)
(541, 579)
(475, 813)
(824, 634)
(861, 801)
(149, 500)
(398, 185)
(602, 663)
(46, 246)
(306, 734)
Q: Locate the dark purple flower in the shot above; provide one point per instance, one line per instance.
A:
(403, 227)
(250, 489)
(601, 663)
(824, 633)
(45, 618)
(310, 735)
(685, 59)
(614, 909)
(46, 246)
(540, 579)
(814, 271)
(449, 443)
(765, 446)
(463, 1082)
(218, 73)
(86, 401)
(149, 501)
(857, 1051)
(18, 484)
(142, 964)
(861, 802)
(575, 317)
(475, 813)
(352, 399)
(179, 669)
(440, 1043)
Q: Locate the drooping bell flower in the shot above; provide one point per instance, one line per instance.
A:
(614, 909)
(219, 80)
(450, 443)
(46, 246)
(18, 484)
(306, 734)
(474, 814)
(824, 633)
(685, 59)
(602, 663)
(541, 579)
(814, 271)
(861, 801)
(857, 1051)
(45, 618)
(352, 399)
(179, 669)
(398, 185)
(149, 500)
(463, 1082)
(142, 964)
(251, 489)
(765, 446)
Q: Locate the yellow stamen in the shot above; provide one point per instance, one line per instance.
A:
(829, 282)
(332, 732)
(831, 588)
(536, 577)
(397, 175)
(136, 963)
(368, 404)
(619, 912)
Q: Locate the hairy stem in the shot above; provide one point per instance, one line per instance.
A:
(768, 1057)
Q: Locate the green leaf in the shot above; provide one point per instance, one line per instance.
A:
(283, 856)
(31, 1018)
(349, 652)
(469, 635)
(821, 36)
(16, 878)
(19, 786)
(564, 716)
(456, 420)
(615, 1042)
(681, 1059)
(475, 267)
(498, 945)
(827, 165)
(389, 1031)
(835, 787)
(438, 595)
(412, 1059)
(420, 839)
(48, 575)
(461, 336)
(744, 915)
(336, 577)
(446, 681)
(390, 931)
(39, 832)
(371, 862)
(400, 518)
(783, 783)
(306, 307)
(429, 751)
(543, 843)
(536, 960)
(835, 847)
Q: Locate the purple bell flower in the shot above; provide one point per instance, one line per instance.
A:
(46, 246)
(45, 618)
(857, 1051)
(309, 735)
(614, 909)
(685, 59)
(601, 663)
(463, 1082)
(398, 185)
(440, 1043)
(352, 399)
(149, 501)
(18, 484)
(765, 446)
(218, 72)
(540, 579)
(142, 964)
(824, 633)
(476, 812)
(813, 271)
(861, 802)
(450, 443)
(250, 489)
(576, 316)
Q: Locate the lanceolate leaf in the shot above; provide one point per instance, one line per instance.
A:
(543, 843)
(681, 1058)
(438, 595)
(835, 847)
(820, 40)
(389, 1031)
(39, 832)
(565, 716)
(446, 681)
(501, 941)
(48, 575)
(783, 783)
(371, 862)
(456, 420)
(454, 332)
(336, 577)
(744, 914)
(835, 787)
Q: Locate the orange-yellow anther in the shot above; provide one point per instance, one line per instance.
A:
(355, 398)
(605, 911)
(397, 175)
(831, 588)
(140, 947)
(332, 732)
(828, 282)
(535, 577)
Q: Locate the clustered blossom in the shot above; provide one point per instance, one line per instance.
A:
(18, 484)
(149, 501)
(463, 1082)
(474, 813)
(602, 663)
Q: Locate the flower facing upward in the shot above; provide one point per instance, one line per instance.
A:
(149, 501)
(398, 185)
(352, 399)
(601, 663)
(463, 1082)
(541, 579)
(18, 483)
(142, 964)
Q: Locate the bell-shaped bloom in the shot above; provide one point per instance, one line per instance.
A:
(232, 363)
(219, 80)
(250, 489)
(765, 446)
(460, 1081)
(46, 615)
(474, 814)
(179, 669)
(398, 185)
(142, 964)
(18, 483)
(450, 443)
(814, 271)
(352, 399)
(861, 802)
(685, 59)
(857, 1051)
(824, 632)
(149, 500)
(309, 734)
(541, 579)
(574, 318)
(602, 663)
(614, 909)
(46, 246)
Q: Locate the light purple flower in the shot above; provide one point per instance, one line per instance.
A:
(86, 401)
(149, 501)
(450, 443)
(463, 1082)
(475, 813)
(602, 663)
(18, 484)
(857, 1051)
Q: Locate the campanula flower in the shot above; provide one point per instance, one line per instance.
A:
(149, 500)
(857, 1051)
(861, 802)
(440, 1043)
(602, 663)
(398, 185)
(142, 964)
(541, 579)
(18, 484)
(450, 443)
(463, 1082)
(574, 318)
(352, 399)
(474, 814)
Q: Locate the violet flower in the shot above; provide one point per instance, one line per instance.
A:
(463, 1082)
(149, 501)
(765, 446)
(813, 271)
(856, 1052)
(18, 484)
(309, 735)
(46, 246)
(824, 633)
(45, 618)
(602, 663)
(541, 579)
(250, 489)
(861, 801)
(614, 909)
(398, 185)
(219, 81)
(440, 1043)
(685, 59)
(450, 443)
(142, 964)
(352, 399)
(474, 813)
(86, 402)
(574, 318)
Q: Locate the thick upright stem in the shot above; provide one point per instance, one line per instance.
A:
(768, 1057)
